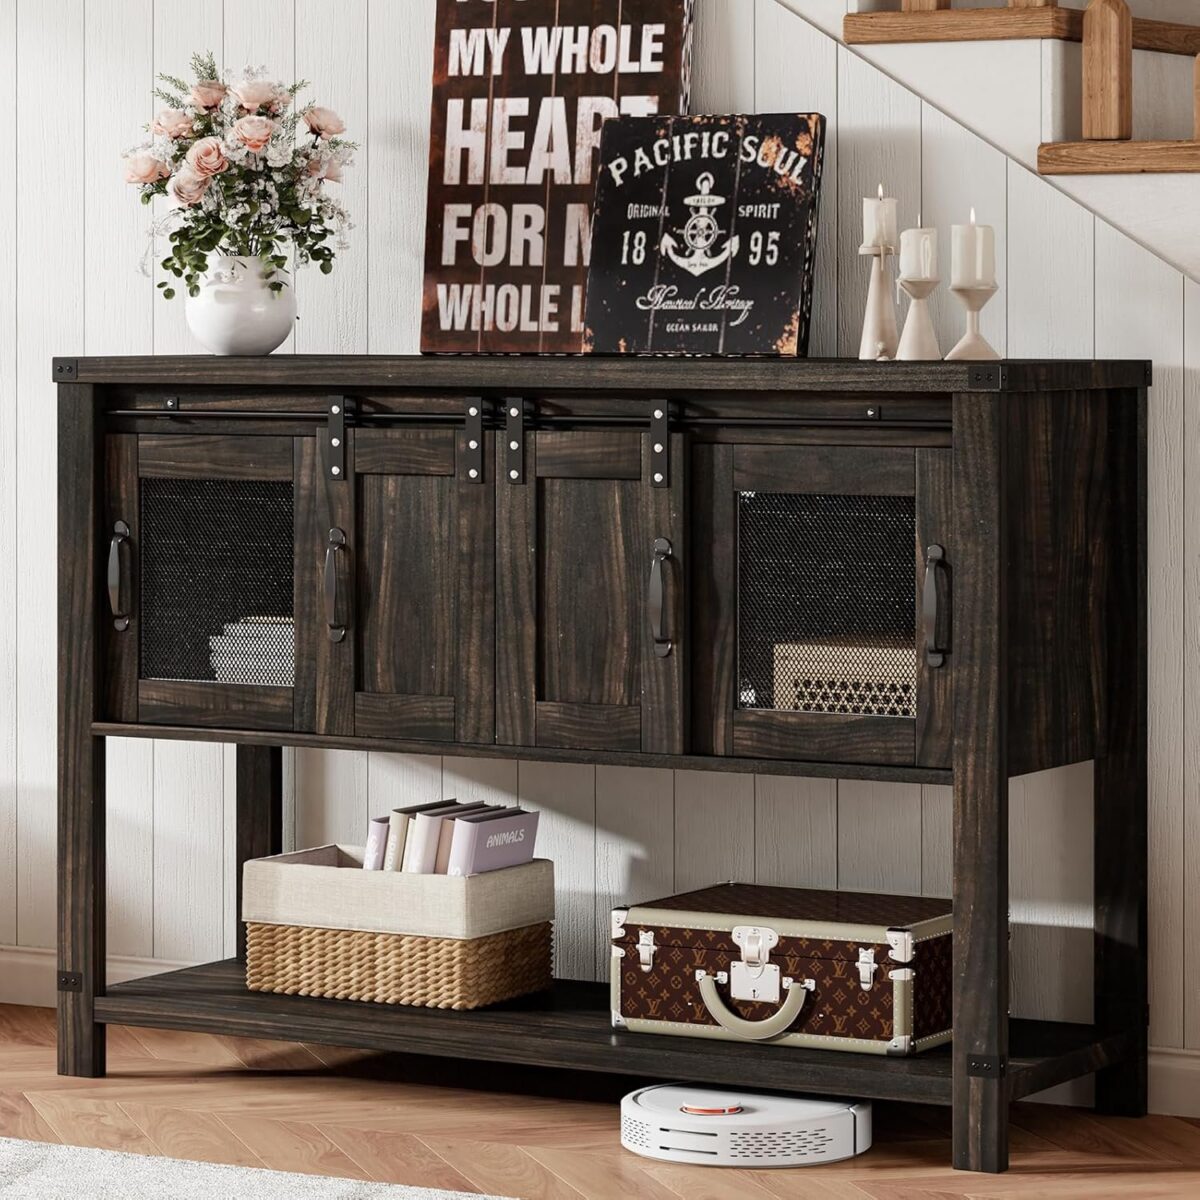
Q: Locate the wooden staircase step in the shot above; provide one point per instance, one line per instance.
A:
(999, 24)
(1118, 158)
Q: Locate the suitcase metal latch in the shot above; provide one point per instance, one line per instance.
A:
(867, 966)
(755, 977)
(646, 949)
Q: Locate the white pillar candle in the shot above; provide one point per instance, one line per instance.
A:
(879, 221)
(918, 253)
(973, 255)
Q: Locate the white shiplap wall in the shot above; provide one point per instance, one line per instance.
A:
(1073, 287)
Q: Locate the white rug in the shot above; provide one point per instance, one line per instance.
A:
(37, 1171)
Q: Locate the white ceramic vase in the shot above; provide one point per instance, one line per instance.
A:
(236, 312)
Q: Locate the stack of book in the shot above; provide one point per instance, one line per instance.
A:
(449, 838)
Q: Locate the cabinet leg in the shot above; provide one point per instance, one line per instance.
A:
(259, 814)
(1120, 783)
(980, 1051)
(81, 914)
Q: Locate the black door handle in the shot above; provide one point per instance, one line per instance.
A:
(662, 643)
(118, 596)
(336, 544)
(935, 566)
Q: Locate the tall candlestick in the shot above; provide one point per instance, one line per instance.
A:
(879, 221)
(973, 255)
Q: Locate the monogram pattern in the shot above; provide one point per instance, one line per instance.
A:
(838, 1006)
(933, 986)
(721, 940)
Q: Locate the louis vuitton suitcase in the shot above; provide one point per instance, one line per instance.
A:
(789, 966)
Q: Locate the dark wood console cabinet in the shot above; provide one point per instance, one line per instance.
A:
(918, 572)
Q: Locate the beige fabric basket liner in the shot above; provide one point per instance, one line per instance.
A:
(326, 888)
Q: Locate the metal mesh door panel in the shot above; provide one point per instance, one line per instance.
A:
(216, 581)
(827, 603)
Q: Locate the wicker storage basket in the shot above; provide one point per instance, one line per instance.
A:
(317, 924)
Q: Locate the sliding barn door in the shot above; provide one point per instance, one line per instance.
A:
(592, 645)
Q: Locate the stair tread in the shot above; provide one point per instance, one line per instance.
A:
(996, 24)
(1119, 158)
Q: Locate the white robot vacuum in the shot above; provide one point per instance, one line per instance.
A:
(708, 1127)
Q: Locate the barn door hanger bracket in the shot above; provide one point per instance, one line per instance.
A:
(516, 414)
(339, 411)
(661, 415)
(476, 411)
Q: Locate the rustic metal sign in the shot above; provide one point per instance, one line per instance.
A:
(521, 90)
(704, 235)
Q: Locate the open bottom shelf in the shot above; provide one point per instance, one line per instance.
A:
(569, 1027)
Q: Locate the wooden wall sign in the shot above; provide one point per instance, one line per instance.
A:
(521, 89)
(704, 235)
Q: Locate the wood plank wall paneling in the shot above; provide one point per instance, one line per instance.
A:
(780, 43)
(879, 142)
(9, 780)
(49, 259)
(1139, 302)
(618, 834)
(1191, 603)
(119, 315)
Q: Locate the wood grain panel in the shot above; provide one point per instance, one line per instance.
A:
(426, 717)
(405, 584)
(475, 580)
(981, 824)
(591, 605)
(713, 587)
(517, 610)
(666, 690)
(1056, 566)
(122, 503)
(404, 452)
(603, 454)
(324, 669)
(826, 470)
(200, 456)
(589, 726)
(823, 737)
(218, 705)
(935, 685)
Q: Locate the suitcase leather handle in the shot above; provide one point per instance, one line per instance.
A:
(753, 1031)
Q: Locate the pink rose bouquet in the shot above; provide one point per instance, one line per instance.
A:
(246, 172)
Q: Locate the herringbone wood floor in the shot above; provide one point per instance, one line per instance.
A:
(333, 1112)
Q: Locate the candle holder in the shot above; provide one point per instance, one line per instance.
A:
(973, 347)
(919, 343)
(879, 337)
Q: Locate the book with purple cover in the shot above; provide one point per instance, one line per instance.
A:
(377, 833)
(491, 841)
(420, 853)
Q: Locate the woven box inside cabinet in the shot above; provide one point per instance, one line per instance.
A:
(789, 966)
(317, 924)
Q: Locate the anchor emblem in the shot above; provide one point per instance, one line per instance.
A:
(701, 233)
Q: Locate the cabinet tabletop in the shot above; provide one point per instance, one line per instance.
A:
(667, 376)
